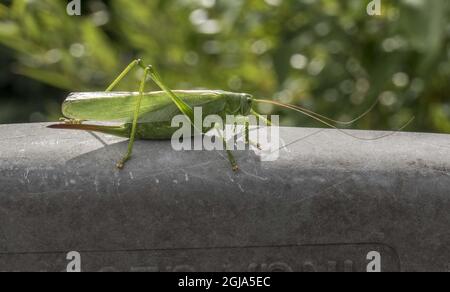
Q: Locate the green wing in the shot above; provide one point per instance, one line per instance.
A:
(156, 106)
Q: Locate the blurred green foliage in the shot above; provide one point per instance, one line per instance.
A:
(326, 55)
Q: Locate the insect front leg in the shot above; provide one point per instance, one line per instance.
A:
(266, 121)
(245, 122)
(247, 139)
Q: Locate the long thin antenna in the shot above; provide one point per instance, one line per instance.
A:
(313, 116)
(336, 121)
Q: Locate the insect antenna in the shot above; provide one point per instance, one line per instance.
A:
(336, 121)
(326, 121)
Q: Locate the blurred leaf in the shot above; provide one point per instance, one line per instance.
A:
(18, 8)
(441, 119)
(100, 49)
(53, 78)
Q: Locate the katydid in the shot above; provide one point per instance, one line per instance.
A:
(148, 115)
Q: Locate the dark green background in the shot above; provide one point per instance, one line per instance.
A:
(328, 56)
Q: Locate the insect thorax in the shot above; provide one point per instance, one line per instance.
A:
(238, 103)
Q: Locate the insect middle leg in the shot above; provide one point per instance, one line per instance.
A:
(245, 123)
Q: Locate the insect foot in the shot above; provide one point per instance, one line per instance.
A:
(120, 165)
(151, 69)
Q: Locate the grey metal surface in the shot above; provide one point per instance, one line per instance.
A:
(323, 205)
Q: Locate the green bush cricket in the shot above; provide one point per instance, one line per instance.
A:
(148, 115)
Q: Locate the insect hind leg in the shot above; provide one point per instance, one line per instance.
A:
(131, 66)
